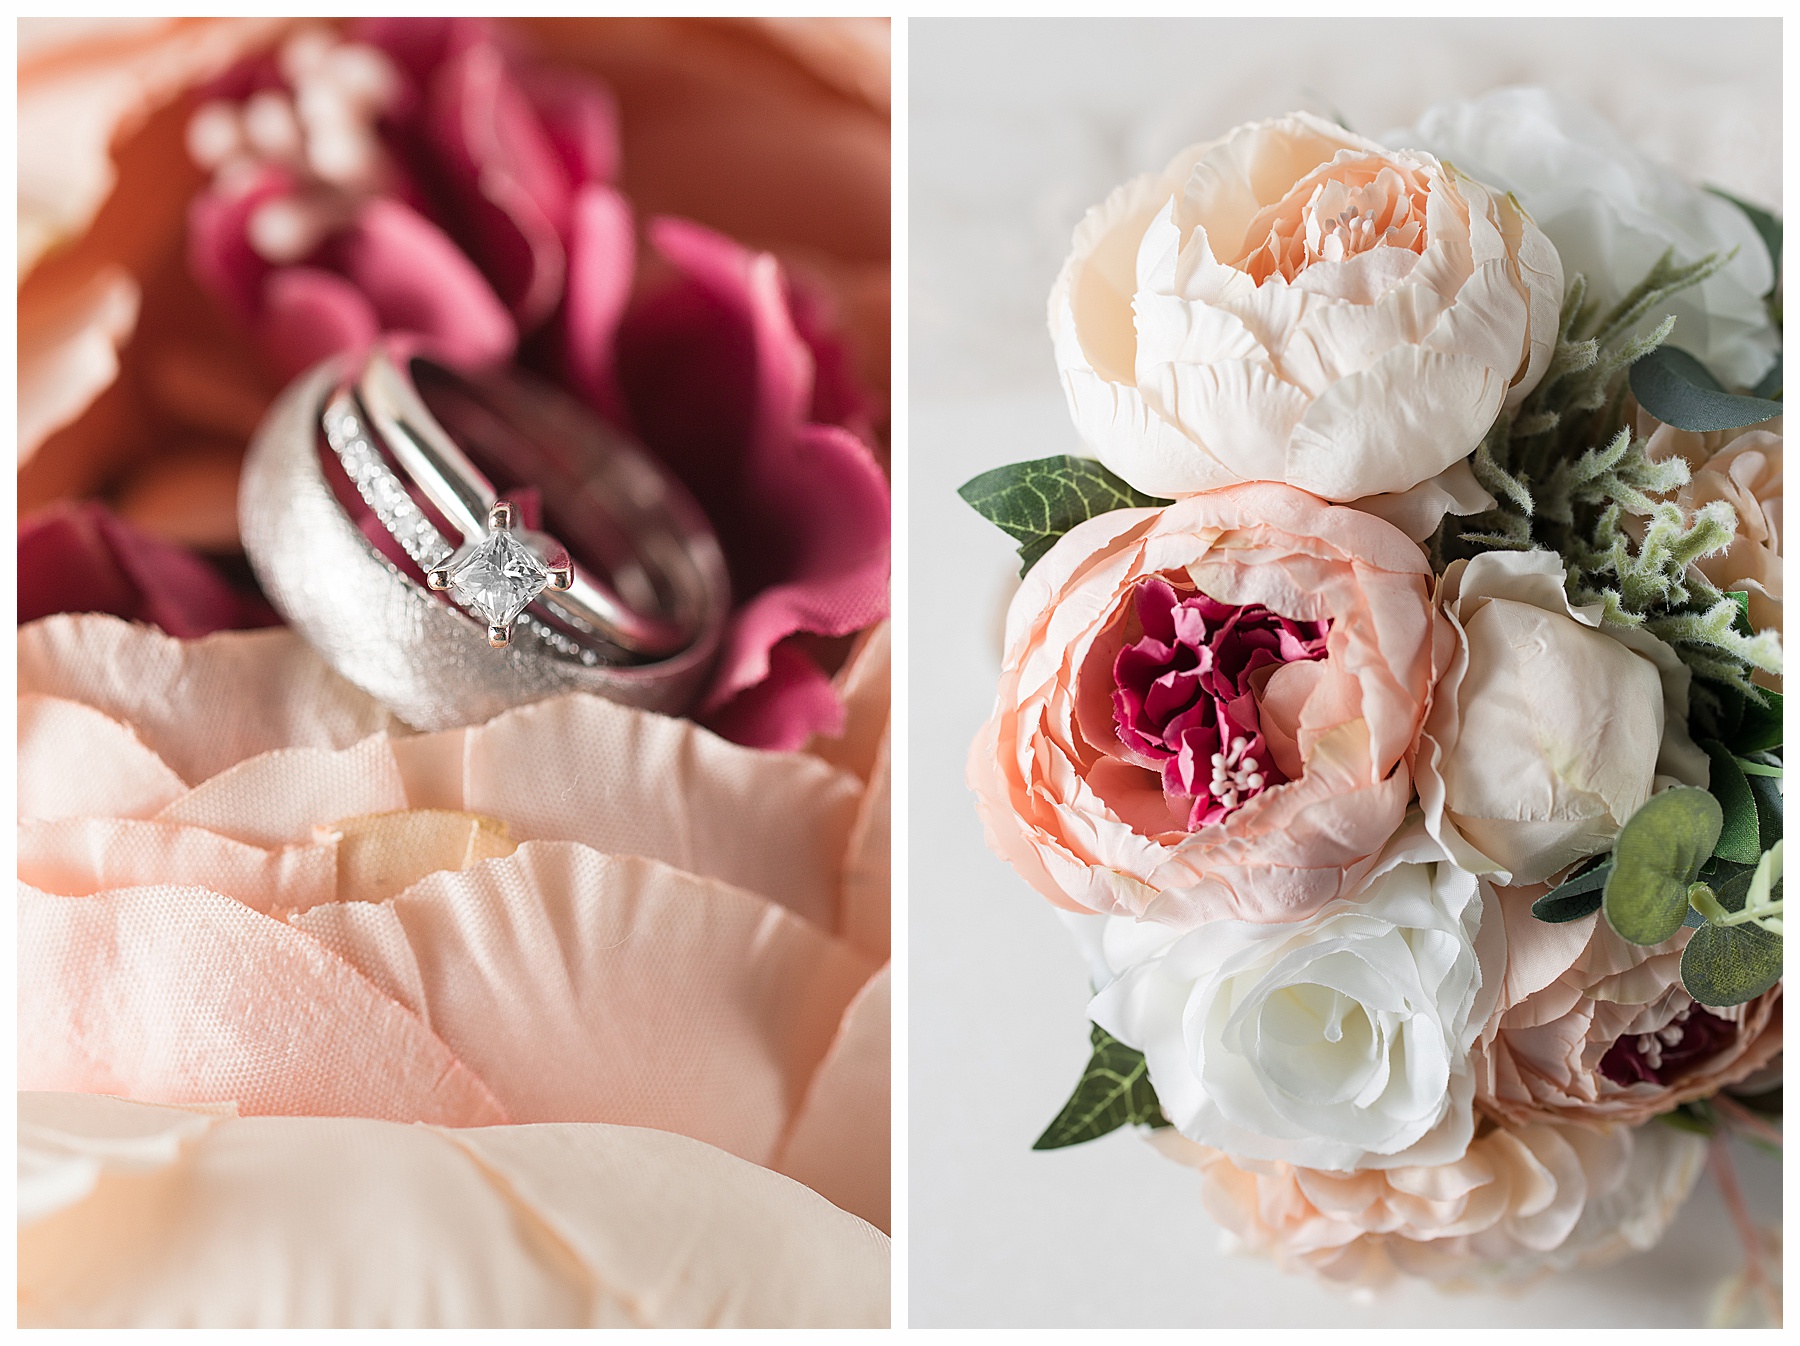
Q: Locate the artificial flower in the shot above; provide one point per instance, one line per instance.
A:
(227, 813)
(1593, 1029)
(139, 1215)
(1295, 303)
(1340, 1041)
(1612, 212)
(1516, 1205)
(1550, 728)
(1075, 808)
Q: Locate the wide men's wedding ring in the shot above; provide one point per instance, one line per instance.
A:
(628, 601)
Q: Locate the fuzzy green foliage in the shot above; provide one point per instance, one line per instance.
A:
(1569, 475)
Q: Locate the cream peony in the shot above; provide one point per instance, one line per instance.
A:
(1549, 730)
(1339, 1042)
(1611, 212)
(1295, 303)
(1516, 1205)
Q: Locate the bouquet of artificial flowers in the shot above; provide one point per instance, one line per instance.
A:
(1393, 700)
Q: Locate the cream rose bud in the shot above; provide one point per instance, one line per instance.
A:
(1296, 303)
(1548, 730)
(1611, 213)
(1338, 1042)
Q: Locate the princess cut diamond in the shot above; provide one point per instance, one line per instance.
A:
(497, 579)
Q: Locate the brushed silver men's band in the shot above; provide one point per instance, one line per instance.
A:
(640, 623)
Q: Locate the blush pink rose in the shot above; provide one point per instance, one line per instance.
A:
(1593, 1029)
(1518, 1204)
(1083, 814)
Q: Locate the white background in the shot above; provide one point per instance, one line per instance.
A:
(1016, 127)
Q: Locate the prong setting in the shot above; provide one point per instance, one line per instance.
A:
(562, 577)
(499, 636)
(437, 579)
(502, 517)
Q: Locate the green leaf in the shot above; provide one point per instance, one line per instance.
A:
(1659, 851)
(1768, 227)
(1727, 965)
(1114, 1091)
(1037, 502)
(1768, 809)
(1574, 897)
(1697, 1116)
(1740, 838)
(1741, 623)
(1749, 724)
(1675, 388)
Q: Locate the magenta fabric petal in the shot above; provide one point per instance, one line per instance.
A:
(309, 314)
(77, 556)
(419, 281)
(581, 118)
(219, 251)
(602, 259)
(511, 188)
(180, 995)
(791, 701)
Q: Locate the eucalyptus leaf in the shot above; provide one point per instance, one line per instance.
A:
(1114, 1091)
(1727, 965)
(1767, 793)
(1770, 384)
(1037, 502)
(1676, 388)
(1659, 852)
(1574, 897)
(1740, 838)
(1767, 225)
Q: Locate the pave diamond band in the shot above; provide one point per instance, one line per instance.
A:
(451, 615)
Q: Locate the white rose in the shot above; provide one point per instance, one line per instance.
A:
(1611, 212)
(1548, 730)
(1296, 303)
(1337, 1042)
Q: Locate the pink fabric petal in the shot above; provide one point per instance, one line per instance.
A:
(78, 857)
(277, 798)
(75, 762)
(839, 1142)
(863, 685)
(865, 917)
(77, 556)
(201, 705)
(419, 281)
(581, 118)
(791, 703)
(511, 187)
(635, 783)
(176, 994)
(308, 314)
(602, 257)
(219, 252)
(679, 1003)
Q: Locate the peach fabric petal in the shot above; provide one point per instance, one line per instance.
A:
(276, 798)
(838, 1144)
(864, 685)
(117, 775)
(635, 783)
(677, 1002)
(203, 705)
(864, 917)
(381, 855)
(79, 857)
(69, 353)
(199, 1218)
(178, 994)
(687, 1235)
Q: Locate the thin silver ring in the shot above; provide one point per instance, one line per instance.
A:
(428, 661)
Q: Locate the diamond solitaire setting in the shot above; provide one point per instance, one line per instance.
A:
(497, 577)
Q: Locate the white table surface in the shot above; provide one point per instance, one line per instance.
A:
(1016, 127)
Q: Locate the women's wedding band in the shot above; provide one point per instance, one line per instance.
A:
(632, 609)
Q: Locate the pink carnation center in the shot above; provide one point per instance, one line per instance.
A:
(1185, 698)
(1666, 1055)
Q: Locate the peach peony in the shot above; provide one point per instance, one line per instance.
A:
(242, 882)
(1514, 1206)
(1592, 1028)
(1296, 303)
(1093, 824)
(138, 1215)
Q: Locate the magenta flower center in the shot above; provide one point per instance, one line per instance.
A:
(1669, 1053)
(1186, 695)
